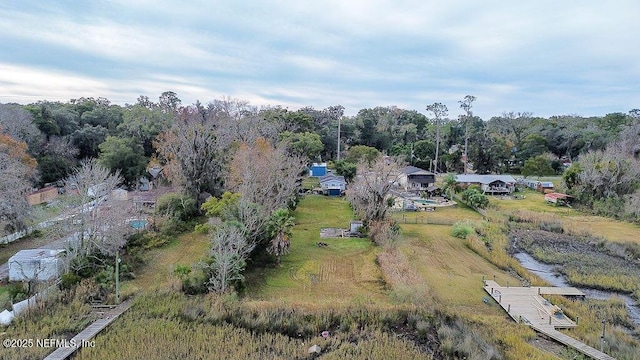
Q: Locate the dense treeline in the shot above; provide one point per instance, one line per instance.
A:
(131, 137)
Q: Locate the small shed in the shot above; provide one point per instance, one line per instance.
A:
(43, 195)
(318, 169)
(36, 264)
(545, 186)
(355, 226)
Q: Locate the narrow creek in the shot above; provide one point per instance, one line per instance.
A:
(549, 274)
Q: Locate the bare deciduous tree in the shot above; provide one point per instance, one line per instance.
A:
(614, 171)
(97, 222)
(18, 123)
(229, 252)
(239, 121)
(266, 176)
(17, 169)
(370, 189)
(191, 152)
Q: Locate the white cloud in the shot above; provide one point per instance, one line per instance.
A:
(24, 85)
(545, 56)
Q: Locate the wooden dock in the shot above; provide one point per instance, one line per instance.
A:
(85, 336)
(526, 305)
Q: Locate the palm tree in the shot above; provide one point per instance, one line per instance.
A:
(279, 231)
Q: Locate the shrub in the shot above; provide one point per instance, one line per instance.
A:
(195, 283)
(610, 206)
(202, 228)
(475, 198)
(384, 233)
(551, 226)
(461, 229)
(459, 341)
(177, 206)
(69, 280)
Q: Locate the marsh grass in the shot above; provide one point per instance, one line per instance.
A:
(450, 274)
(59, 317)
(573, 221)
(585, 261)
(620, 341)
(171, 325)
(590, 261)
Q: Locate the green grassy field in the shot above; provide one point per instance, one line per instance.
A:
(442, 215)
(344, 271)
(310, 182)
(158, 271)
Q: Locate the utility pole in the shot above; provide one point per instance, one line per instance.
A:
(602, 336)
(118, 277)
(339, 118)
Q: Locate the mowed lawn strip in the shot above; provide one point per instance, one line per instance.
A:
(158, 270)
(343, 271)
(441, 215)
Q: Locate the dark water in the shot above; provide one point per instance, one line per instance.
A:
(549, 274)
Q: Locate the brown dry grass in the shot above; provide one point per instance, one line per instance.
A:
(573, 221)
(452, 275)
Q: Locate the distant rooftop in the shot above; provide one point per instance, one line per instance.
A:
(415, 170)
(484, 179)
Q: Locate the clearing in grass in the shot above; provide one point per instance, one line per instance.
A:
(343, 271)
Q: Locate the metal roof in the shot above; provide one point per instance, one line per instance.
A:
(413, 169)
(331, 177)
(35, 254)
(484, 179)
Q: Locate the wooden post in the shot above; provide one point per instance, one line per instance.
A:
(500, 299)
(509, 308)
(602, 337)
(577, 320)
(538, 291)
(550, 319)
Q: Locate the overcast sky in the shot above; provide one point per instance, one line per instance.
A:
(547, 57)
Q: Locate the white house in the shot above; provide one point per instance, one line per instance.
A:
(490, 184)
(36, 264)
(333, 184)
